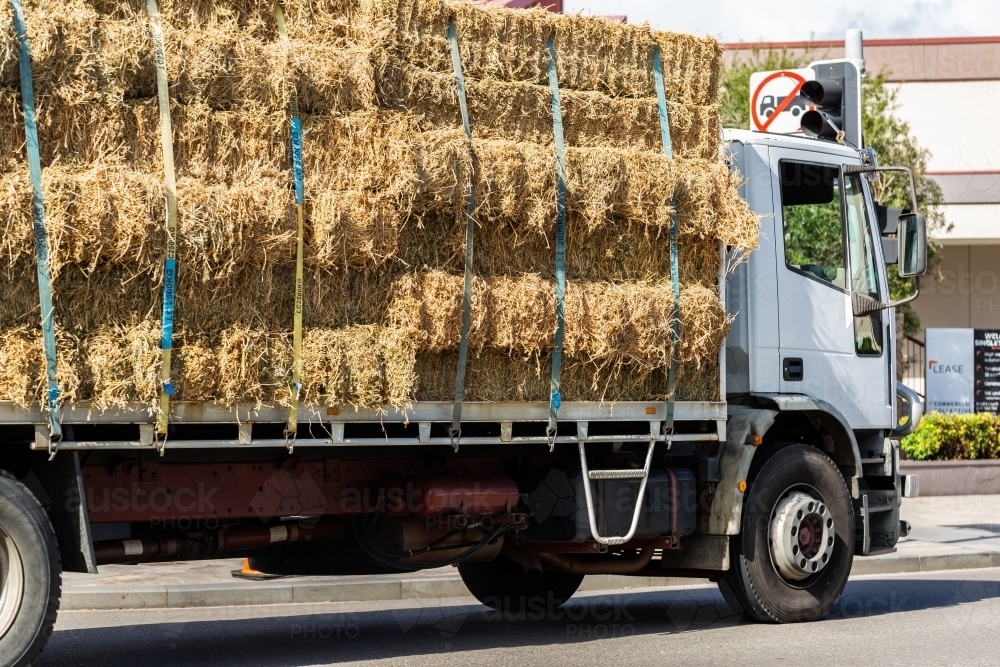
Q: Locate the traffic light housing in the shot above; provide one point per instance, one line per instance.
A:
(836, 96)
(826, 121)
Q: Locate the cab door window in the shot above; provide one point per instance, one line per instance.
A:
(812, 222)
(864, 280)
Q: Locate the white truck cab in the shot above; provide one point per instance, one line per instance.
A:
(794, 330)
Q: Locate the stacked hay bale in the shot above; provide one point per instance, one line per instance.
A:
(387, 172)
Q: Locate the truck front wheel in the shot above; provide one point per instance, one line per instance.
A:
(30, 575)
(795, 549)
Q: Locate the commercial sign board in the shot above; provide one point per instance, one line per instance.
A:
(987, 370)
(950, 373)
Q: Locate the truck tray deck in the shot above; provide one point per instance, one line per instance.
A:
(422, 423)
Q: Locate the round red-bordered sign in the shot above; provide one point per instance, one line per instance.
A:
(795, 76)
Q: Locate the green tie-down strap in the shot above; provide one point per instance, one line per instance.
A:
(661, 98)
(470, 232)
(555, 394)
(39, 226)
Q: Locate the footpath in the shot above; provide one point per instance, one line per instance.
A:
(949, 533)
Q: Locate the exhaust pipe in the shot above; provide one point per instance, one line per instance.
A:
(224, 540)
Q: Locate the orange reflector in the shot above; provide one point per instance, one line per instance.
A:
(743, 485)
(756, 440)
(247, 569)
(333, 411)
(650, 410)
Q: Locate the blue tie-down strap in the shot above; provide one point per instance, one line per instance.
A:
(297, 160)
(53, 397)
(560, 258)
(470, 234)
(661, 99)
(169, 291)
(38, 220)
(168, 388)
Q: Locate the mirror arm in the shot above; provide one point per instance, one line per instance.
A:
(865, 305)
(868, 169)
(908, 299)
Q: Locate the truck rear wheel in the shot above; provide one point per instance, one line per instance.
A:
(795, 549)
(30, 575)
(504, 585)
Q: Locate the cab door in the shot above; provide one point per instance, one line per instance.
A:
(825, 251)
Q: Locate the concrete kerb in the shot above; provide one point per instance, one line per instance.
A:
(317, 590)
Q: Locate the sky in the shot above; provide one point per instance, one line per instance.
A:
(790, 20)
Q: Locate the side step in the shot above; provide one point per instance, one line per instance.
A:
(615, 474)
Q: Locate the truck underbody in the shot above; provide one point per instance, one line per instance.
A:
(363, 492)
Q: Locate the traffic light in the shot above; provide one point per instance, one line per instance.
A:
(836, 95)
(826, 121)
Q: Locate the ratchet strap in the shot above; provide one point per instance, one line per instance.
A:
(39, 228)
(170, 182)
(555, 394)
(470, 231)
(296, 134)
(661, 99)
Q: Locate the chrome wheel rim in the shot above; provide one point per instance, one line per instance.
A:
(801, 535)
(11, 582)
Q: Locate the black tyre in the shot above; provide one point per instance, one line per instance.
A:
(795, 549)
(504, 585)
(30, 575)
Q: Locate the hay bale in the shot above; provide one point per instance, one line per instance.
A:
(387, 173)
(521, 112)
(364, 366)
(94, 42)
(222, 66)
(616, 324)
(592, 54)
(61, 35)
(111, 214)
(493, 375)
(516, 181)
(117, 366)
(23, 380)
(221, 55)
(253, 298)
(105, 216)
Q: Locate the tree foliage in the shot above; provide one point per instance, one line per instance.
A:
(882, 129)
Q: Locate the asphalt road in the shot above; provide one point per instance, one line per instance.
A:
(935, 618)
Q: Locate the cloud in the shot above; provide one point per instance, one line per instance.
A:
(787, 20)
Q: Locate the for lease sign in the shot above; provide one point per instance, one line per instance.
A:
(950, 370)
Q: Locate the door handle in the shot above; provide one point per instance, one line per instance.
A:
(792, 369)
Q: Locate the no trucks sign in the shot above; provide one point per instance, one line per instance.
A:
(776, 104)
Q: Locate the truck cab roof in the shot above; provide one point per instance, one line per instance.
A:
(746, 137)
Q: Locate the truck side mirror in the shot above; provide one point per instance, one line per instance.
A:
(912, 239)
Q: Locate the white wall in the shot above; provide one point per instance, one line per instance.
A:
(971, 223)
(957, 121)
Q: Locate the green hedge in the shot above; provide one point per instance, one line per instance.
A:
(950, 436)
